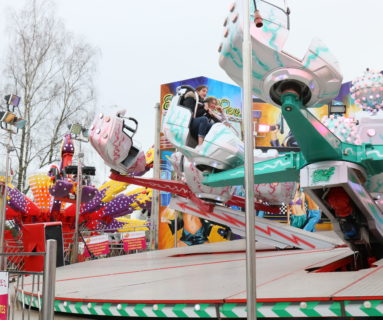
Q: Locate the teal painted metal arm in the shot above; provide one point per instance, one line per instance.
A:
(282, 169)
(372, 158)
(317, 144)
(316, 141)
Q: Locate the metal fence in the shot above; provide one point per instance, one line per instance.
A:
(116, 246)
(27, 299)
(31, 291)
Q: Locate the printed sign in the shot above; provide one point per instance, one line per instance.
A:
(135, 240)
(3, 295)
(98, 245)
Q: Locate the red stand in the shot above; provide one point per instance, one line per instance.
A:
(34, 237)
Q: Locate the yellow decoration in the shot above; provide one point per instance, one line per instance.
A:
(135, 191)
(142, 196)
(40, 184)
(149, 156)
(132, 224)
(112, 189)
(126, 228)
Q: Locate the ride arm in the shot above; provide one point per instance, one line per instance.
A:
(181, 189)
(371, 158)
(316, 141)
(281, 169)
(175, 187)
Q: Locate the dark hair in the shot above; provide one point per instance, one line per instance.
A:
(200, 87)
(210, 99)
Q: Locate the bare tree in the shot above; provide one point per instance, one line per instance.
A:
(52, 71)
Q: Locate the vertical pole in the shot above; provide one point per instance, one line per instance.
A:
(78, 206)
(175, 228)
(4, 201)
(49, 281)
(155, 212)
(249, 163)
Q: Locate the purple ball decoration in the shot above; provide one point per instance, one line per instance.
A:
(17, 200)
(95, 204)
(120, 206)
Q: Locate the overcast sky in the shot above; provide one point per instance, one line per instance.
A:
(146, 43)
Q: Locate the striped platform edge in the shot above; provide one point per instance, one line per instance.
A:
(353, 308)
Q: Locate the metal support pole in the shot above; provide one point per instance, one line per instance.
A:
(49, 280)
(249, 163)
(78, 206)
(4, 201)
(175, 228)
(155, 212)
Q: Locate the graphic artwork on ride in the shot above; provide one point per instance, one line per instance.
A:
(190, 230)
(166, 101)
(323, 174)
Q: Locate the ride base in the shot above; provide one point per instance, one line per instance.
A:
(208, 281)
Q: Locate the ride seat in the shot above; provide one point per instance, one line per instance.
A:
(132, 156)
(182, 96)
(190, 140)
(113, 139)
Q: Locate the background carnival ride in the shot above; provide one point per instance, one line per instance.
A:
(103, 210)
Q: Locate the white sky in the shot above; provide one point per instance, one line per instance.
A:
(146, 43)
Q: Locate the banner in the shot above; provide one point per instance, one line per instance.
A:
(3, 295)
(97, 245)
(134, 240)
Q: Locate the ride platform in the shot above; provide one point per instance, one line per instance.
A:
(208, 281)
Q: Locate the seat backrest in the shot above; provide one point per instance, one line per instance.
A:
(137, 166)
(129, 160)
(178, 119)
(191, 141)
(186, 89)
